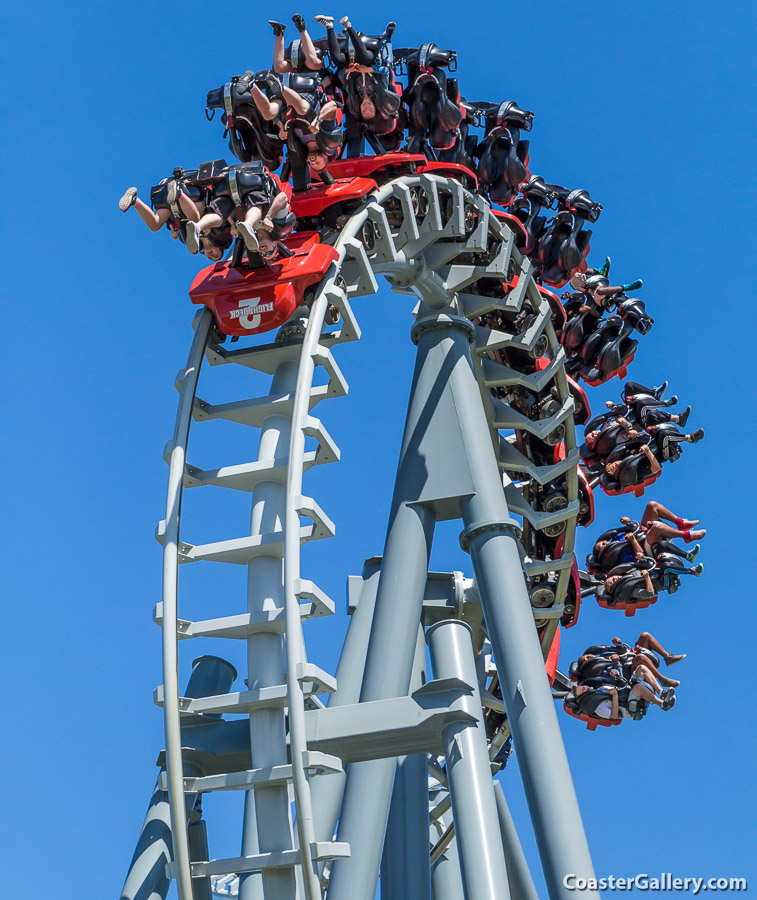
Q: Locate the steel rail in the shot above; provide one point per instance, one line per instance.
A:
(171, 713)
(400, 265)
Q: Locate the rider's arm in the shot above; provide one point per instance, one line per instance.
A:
(279, 205)
(653, 461)
(614, 695)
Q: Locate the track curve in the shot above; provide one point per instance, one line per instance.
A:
(415, 230)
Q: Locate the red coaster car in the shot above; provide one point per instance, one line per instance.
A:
(628, 608)
(387, 166)
(516, 226)
(591, 722)
(380, 168)
(328, 202)
(559, 316)
(252, 301)
(637, 490)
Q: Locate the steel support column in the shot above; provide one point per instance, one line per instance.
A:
(474, 809)
(521, 883)
(267, 817)
(327, 790)
(490, 536)
(446, 877)
(404, 861)
(391, 650)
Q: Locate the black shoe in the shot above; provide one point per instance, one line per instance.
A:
(389, 30)
(278, 27)
(696, 436)
(683, 417)
(671, 401)
(659, 391)
(272, 82)
(299, 22)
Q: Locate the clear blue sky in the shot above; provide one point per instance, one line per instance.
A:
(646, 104)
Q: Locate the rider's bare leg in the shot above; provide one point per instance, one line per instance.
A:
(648, 642)
(312, 57)
(655, 511)
(208, 221)
(154, 219)
(298, 103)
(268, 109)
(193, 211)
(280, 64)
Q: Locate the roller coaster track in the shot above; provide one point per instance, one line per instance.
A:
(410, 230)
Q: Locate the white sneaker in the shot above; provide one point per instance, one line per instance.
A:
(326, 21)
(345, 22)
(128, 200)
(193, 238)
(249, 237)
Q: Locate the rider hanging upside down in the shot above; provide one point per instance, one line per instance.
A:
(251, 204)
(364, 71)
(356, 47)
(300, 56)
(312, 119)
(611, 702)
(601, 661)
(173, 203)
(596, 287)
(629, 584)
(654, 522)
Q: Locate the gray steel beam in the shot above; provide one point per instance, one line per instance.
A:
(447, 464)
(389, 660)
(491, 536)
(518, 874)
(267, 818)
(404, 861)
(446, 875)
(474, 809)
(327, 790)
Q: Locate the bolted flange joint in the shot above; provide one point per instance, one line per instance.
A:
(442, 320)
(506, 526)
(406, 274)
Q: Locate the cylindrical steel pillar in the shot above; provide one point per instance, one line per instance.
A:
(267, 817)
(404, 861)
(326, 790)
(474, 809)
(391, 650)
(490, 535)
(446, 877)
(521, 883)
